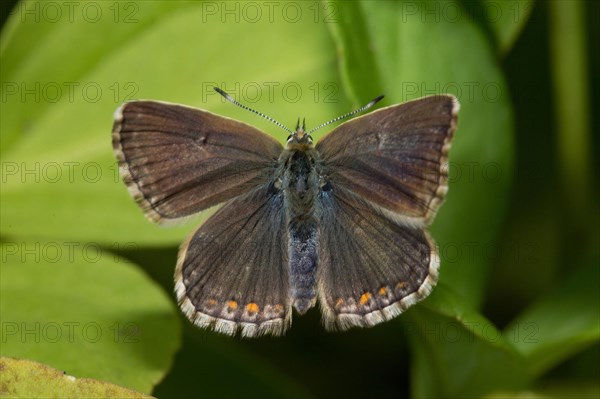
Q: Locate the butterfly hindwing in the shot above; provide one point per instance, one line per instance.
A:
(396, 157)
(232, 273)
(178, 160)
(371, 267)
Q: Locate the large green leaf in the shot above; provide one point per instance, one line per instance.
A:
(26, 379)
(58, 170)
(78, 308)
(560, 324)
(457, 352)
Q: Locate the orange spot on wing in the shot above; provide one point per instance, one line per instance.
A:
(383, 291)
(401, 285)
(211, 302)
(232, 305)
(365, 298)
(338, 303)
(252, 308)
(279, 308)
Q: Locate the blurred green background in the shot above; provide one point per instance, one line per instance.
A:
(87, 281)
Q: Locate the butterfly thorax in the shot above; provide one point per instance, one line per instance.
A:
(299, 180)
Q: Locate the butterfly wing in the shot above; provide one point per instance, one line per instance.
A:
(396, 157)
(384, 176)
(232, 273)
(372, 268)
(178, 160)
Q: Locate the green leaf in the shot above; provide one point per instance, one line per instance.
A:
(506, 20)
(415, 56)
(559, 389)
(59, 174)
(560, 324)
(457, 352)
(224, 358)
(573, 108)
(80, 309)
(359, 60)
(26, 379)
(34, 50)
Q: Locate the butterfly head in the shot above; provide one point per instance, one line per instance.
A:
(300, 136)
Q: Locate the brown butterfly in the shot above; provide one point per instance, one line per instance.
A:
(342, 222)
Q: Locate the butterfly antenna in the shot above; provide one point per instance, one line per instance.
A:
(230, 99)
(369, 105)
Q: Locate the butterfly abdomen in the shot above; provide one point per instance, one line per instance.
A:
(300, 185)
(303, 264)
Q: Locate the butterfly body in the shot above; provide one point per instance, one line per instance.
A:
(342, 222)
(300, 184)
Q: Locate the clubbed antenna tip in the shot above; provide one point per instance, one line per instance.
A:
(230, 99)
(369, 105)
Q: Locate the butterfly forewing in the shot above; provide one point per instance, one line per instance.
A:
(371, 267)
(395, 157)
(178, 160)
(233, 272)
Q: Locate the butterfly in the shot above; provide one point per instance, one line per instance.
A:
(342, 222)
